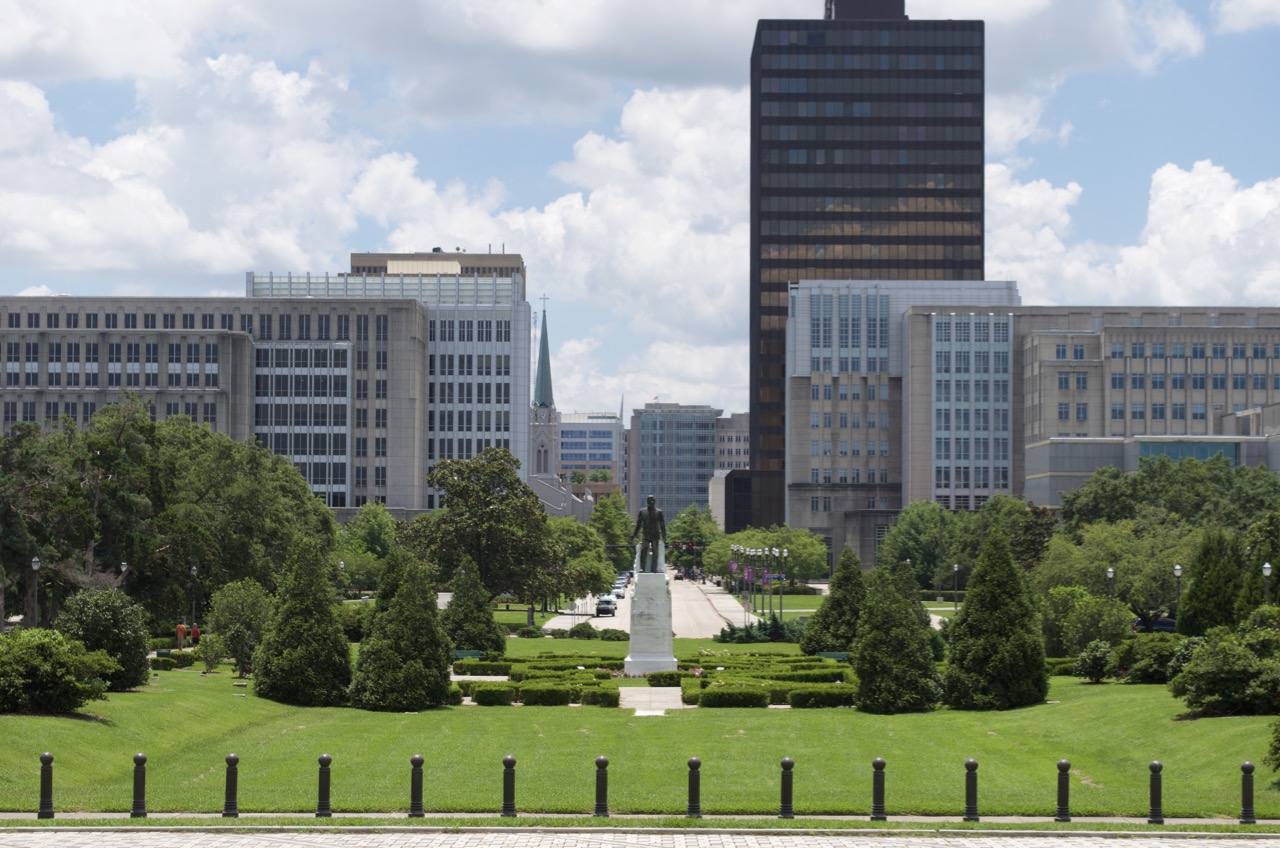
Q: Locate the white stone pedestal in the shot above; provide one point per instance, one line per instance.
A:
(651, 648)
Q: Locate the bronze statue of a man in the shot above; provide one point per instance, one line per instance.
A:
(655, 533)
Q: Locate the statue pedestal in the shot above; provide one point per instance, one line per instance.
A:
(651, 648)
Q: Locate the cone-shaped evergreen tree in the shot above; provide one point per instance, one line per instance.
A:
(835, 625)
(468, 620)
(997, 646)
(305, 658)
(1210, 600)
(892, 657)
(404, 661)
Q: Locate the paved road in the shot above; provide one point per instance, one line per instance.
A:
(698, 611)
(408, 838)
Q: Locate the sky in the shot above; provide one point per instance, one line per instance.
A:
(153, 147)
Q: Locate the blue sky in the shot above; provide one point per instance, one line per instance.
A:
(158, 147)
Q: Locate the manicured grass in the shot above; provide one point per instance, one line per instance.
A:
(518, 617)
(186, 723)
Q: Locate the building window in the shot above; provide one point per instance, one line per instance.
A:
(1060, 351)
(1077, 352)
(1064, 411)
(1064, 381)
(1117, 412)
(1082, 412)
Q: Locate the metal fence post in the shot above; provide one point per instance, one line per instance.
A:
(323, 810)
(602, 787)
(785, 808)
(1246, 794)
(139, 810)
(971, 790)
(1156, 814)
(877, 790)
(695, 789)
(1064, 792)
(46, 786)
(508, 785)
(415, 787)
(231, 807)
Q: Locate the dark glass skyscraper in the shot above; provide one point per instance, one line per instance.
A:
(866, 163)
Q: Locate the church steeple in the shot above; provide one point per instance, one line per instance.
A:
(542, 397)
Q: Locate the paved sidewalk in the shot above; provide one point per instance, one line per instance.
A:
(592, 838)
(650, 700)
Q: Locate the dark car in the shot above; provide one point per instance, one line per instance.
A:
(1159, 625)
(606, 605)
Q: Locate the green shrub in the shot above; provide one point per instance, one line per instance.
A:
(468, 620)
(183, 659)
(583, 630)
(1225, 677)
(47, 671)
(1144, 658)
(163, 664)
(835, 625)
(1061, 666)
(211, 652)
(691, 691)
(892, 657)
(493, 694)
(822, 696)
(529, 633)
(832, 675)
(666, 678)
(240, 613)
(1182, 655)
(455, 695)
(354, 618)
(108, 620)
(1094, 660)
(558, 633)
(610, 634)
(604, 695)
(545, 695)
(481, 668)
(163, 643)
(715, 697)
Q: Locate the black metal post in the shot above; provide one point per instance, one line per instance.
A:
(46, 786)
(508, 785)
(1156, 814)
(230, 808)
(139, 810)
(971, 790)
(602, 787)
(415, 787)
(1246, 794)
(877, 790)
(785, 808)
(695, 789)
(1064, 792)
(323, 810)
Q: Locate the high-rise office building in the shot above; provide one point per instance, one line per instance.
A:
(866, 164)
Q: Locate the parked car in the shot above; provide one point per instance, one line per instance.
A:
(1160, 625)
(619, 591)
(606, 605)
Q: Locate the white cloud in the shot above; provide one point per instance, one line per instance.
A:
(1208, 241)
(1242, 15)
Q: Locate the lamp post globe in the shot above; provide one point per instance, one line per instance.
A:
(35, 569)
(955, 586)
(1111, 581)
(1177, 574)
(1266, 583)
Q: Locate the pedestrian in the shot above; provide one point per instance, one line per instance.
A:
(195, 635)
(181, 632)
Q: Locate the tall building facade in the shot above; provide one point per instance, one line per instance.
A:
(671, 451)
(591, 442)
(866, 163)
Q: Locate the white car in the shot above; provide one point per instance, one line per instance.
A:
(619, 591)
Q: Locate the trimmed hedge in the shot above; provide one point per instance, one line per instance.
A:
(455, 696)
(545, 695)
(604, 695)
(721, 697)
(822, 696)
(163, 664)
(183, 659)
(667, 678)
(691, 691)
(1060, 666)
(490, 694)
(834, 675)
(481, 668)
(610, 634)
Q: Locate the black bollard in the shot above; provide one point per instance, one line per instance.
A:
(877, 790)
(415, 787)
(602, 787)
(1246, 794)
(1156, 815)
(508, 785)
(785, 808)
(46, 786)
(230, 808)
(139, 810)
(971, 790)
(1064, 792)
(323, 810)
(695, 789)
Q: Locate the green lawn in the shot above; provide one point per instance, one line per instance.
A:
(186, 723)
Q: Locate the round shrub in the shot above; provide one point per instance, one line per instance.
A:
(183, 659)
(558, 633)
(734, 696)
(455, 695)
(163, 664)
(493, 695)
(612, 634)
(1094, 660)
(583, 630)
(1145, 658)
(529, 633)
(45, 671)
(108, 620)
(840, 695)
(212, 651)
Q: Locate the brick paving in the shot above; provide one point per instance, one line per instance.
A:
(420, 838)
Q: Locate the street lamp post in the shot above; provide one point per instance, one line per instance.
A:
(124, 576)
(1177, 573)
(1111, 582)
(35, 569)
(193, 596)
(785, 554)
(1266, 583)
(955, 586)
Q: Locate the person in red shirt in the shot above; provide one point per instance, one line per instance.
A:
(195, 635)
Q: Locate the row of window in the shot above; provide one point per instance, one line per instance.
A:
(461, 448)
(913, 253)
(847, 476)
(468, 330)
(827, 182)
(312, 444)
(1138, 411)
(844, 391)
(848, 420)
(871, 132)
(869, 229)
(971, 391)
(467, 365)
(579, 445)
(976, 362)
(466, 420)
(971, 477)
(970, 449)
(940, 109)
(966, 330)
(1178, 350)
(870, 61)
(56, 379)
(872, 503)
(58, 352)
(903, 205)
(300, 358)
(467, 393)
(846, 448)
(860, 156)
(980, 420)
(932, 35)
(1238, 382)
(308, 415)
(306, 385)
(849, 365)
(868, 84)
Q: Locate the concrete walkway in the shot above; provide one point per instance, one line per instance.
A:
(650, 700)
